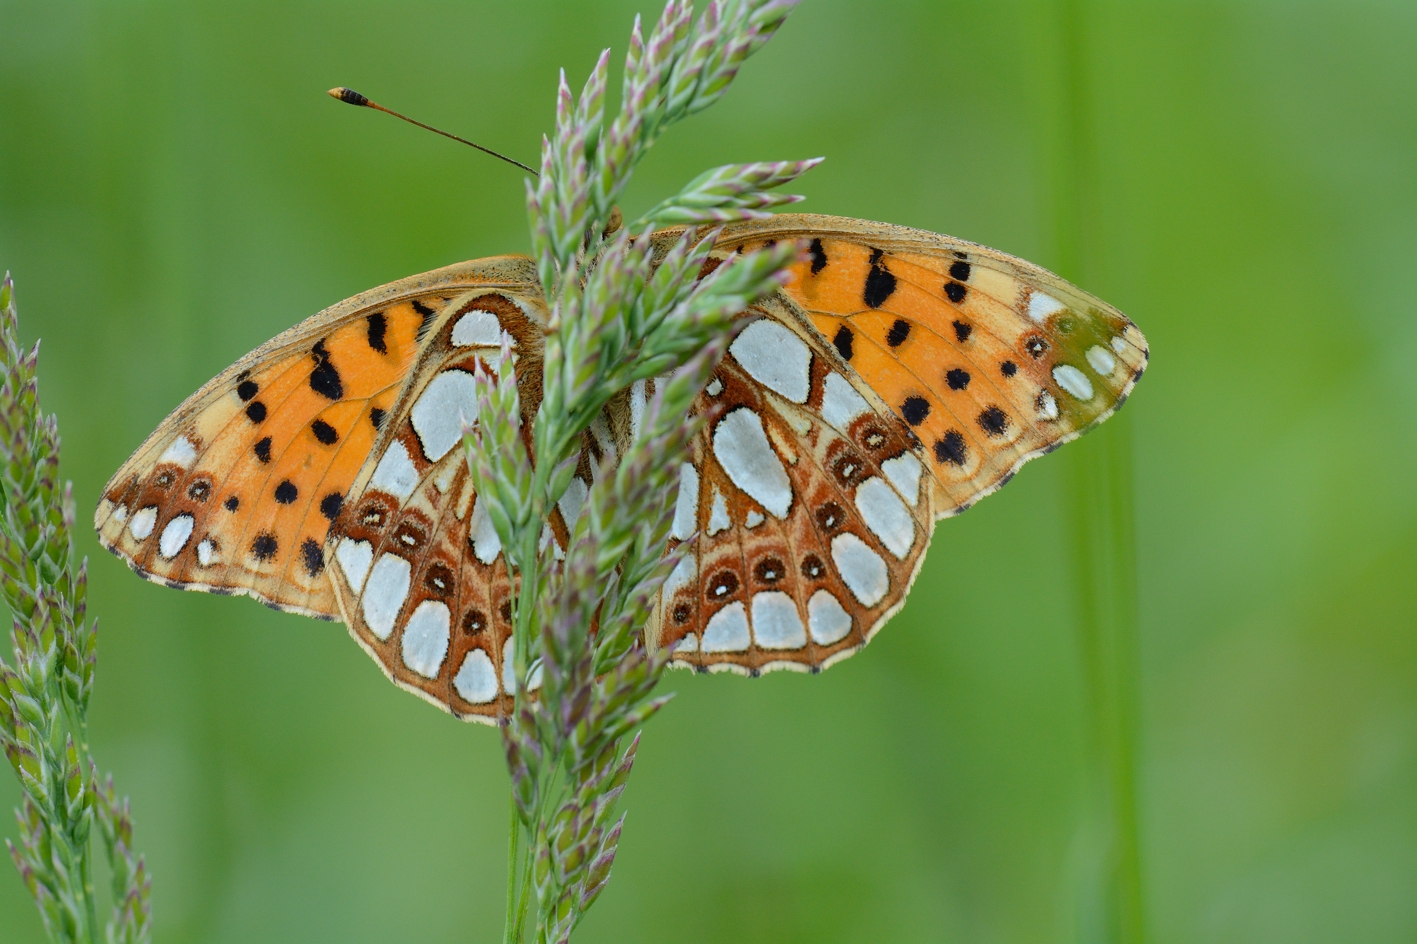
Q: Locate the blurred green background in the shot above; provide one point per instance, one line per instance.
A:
(1240, 176)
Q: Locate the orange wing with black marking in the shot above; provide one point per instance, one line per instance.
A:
(237, 490)
(989, 359)
(897, 378)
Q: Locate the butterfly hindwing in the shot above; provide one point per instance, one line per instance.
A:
(804, 507)
(416, 562)
(237, 490)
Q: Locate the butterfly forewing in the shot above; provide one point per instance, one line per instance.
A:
(989, 359)
(237, 490)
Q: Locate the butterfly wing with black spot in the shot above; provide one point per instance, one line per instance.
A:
(989, 359)
(415, 560)
(804, 506)
(237, 490)
(898, 377)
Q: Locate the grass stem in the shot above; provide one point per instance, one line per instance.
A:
(514, 833)
(1101, 513)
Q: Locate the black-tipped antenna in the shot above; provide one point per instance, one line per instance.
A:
(351, 97)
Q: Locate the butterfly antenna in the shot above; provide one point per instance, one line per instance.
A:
(351, 97)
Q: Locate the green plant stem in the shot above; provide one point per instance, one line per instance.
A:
(1101, 523)
(79, 861)
(521, 635)
(1101, 511)
(86, 877)
(76, 862)
(514, 834)
(533, 842)
(524, 904)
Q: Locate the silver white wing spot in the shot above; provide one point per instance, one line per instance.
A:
(904, 472)
(384, 594)
(1047, 406)
(686, 510)
(486, 544)
(142, 524)
(354, 558)
(727, 630)
(476, 681)
(742, 449)
(478, 328)
(425, 638)
(572, 500)
(841, 403)
(1040, 306)
(639, 399)
(1101, 360)
(1073, 380)
(775, 357)
(827, 619)
(449, 399)
(395, 473)
(175, 536)
(886, 515)
(776, 622)
(681, 576)
(861, 568)
(718, 514)
(181, 452)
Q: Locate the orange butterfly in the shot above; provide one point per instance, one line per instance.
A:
(899, 377)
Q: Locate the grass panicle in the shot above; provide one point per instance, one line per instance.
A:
(45, 688)
(623, 308)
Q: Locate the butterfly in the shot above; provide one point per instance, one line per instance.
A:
(897, 378)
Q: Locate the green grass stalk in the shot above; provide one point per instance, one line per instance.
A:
(1101, 524)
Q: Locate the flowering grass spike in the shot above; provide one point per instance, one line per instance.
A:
(44, 694)
(621, 312)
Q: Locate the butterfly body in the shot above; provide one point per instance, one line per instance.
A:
(897, 378)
